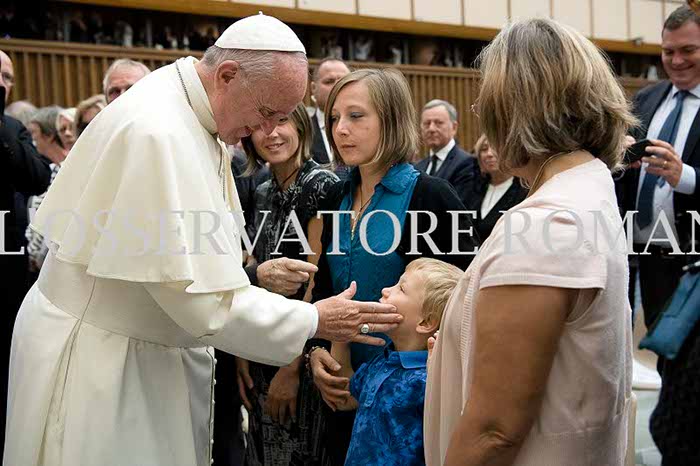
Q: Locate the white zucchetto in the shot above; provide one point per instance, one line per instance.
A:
(260, 32)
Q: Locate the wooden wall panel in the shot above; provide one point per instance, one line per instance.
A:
(610, 19)
(491, 14)
(264, 3)
(63, 73)
(438, 11)
(332, 6)
(396, 9)
(646, 20)
(575, 14)
(520, 9)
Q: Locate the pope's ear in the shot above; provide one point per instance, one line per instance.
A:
(227, 71)
(313, 89)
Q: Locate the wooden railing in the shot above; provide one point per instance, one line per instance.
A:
(65, 73)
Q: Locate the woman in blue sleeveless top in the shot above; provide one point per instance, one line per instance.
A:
(372, 126)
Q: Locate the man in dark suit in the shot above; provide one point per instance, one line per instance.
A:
(668, 185)
(22, 170)
(446, 159)
(326, 74)
(668, 179)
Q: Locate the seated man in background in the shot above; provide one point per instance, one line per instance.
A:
(120, 76)
(446, 160)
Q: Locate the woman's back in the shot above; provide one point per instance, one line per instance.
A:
(558, 237)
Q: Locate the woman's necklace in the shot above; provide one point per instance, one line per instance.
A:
(534, 186)
(354, 221)
(283, 183)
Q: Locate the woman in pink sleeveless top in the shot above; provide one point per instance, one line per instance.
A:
(533, 363)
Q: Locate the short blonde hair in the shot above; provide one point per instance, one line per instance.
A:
(546, 89)
(390, 95)
(439, 281)
(97, 101)
(68, 114)
(300, 118)
(479, 146)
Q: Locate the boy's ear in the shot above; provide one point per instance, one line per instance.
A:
(427, 327)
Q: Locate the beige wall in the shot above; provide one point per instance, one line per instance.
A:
(620, 20)
(396, 9)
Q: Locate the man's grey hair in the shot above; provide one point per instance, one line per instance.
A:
(679, 17)
(258, 64)
(451, 110)
(45, 119)
(122, 63)
(21, 110)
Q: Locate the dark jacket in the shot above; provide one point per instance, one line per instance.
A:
(645, 104)
(23, 171)
(484, 226)
(318, 148)
(457, 169)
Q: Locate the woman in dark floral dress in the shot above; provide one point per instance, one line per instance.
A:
(284, 407)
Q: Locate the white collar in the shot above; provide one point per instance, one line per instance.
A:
(321, 117)
(198, 96)
(695, 92)
(442, 153)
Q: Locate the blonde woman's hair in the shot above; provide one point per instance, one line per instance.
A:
(68, 114)
(390, 95)
(479, 146)
(439, 280)
(97, 101)
(300, 118)
(546, 89)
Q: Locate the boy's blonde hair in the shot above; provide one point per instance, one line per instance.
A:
(439, 280)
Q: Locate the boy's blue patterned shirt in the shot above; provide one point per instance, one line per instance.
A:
(390, 391)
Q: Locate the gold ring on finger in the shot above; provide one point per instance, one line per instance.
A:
(665, 163)
(364, 329)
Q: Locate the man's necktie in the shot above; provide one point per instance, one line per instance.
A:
(433, 167)
(668, 133)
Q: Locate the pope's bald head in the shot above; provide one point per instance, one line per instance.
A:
(8, 74)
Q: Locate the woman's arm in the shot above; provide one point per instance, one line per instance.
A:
(515, 348)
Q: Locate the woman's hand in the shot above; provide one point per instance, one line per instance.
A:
(245, 383)
(281, 400)
(334, 390)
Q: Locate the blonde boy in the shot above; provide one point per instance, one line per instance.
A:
(388, 392)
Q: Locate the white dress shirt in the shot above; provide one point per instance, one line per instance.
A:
(441, 155)
(663, 195)
(494, 193)
(321, 118)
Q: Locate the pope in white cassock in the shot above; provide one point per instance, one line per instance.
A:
(111, 360)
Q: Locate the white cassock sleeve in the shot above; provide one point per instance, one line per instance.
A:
(249, 322)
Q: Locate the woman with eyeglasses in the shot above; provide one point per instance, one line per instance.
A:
(65, 125)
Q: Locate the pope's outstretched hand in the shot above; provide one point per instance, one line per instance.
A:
(341, 319)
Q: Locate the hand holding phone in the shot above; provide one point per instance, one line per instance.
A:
(636, 151)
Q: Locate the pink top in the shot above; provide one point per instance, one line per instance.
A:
(583, 419)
